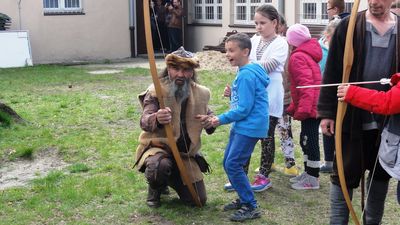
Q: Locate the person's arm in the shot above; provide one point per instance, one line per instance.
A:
(327, 103)
(386, 103)
(153, 117)
(245, 101)
(277, 57)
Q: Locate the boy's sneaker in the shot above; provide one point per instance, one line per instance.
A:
(307, 183)
(228, 187)
(326, 169)
(233, 205)
(261, 183)
(292, 171)
(297, 178)
(245, 213)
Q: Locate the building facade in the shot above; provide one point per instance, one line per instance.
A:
(92, 30)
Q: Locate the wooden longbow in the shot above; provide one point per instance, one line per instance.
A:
(157, 86)
(342, 106)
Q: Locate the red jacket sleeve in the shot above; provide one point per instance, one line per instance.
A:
(386, 103)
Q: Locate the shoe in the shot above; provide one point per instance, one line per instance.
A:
(307, 183)
(326, 169)
(292, 171)
(273, 167)
(261, 183)
(297, 178)
(245, 213)
(233, 205)
(228, 187)
(153, 197)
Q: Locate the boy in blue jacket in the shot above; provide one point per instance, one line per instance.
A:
(249, 115)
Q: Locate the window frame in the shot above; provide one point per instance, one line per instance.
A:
(62, 9)
(203, 5)
(249, 10)
(321, 16)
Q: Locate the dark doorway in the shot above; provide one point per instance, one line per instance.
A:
(141, 38)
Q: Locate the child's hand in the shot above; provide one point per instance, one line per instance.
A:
(395, 79)
(227, 91)
(215, 121)
(205, 121)
(342, 91)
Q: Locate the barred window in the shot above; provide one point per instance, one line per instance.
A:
(314, 11)
(244, 10)
(207, 11)
(62, 6)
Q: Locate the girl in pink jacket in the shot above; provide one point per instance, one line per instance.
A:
(304, 70)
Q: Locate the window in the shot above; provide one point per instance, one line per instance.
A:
(62, 6)
(208, 11)
(314, 11)
(244, 10)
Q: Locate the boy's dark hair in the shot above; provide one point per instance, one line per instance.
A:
(339, 4)
(242, 39)
(269, 12)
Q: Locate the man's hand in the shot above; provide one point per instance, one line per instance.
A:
(342, 91)
(205, 121)
(164, 116)
(327, 126)
(227, 91)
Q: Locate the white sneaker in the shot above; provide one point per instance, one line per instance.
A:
(296, 179)
(307, 183)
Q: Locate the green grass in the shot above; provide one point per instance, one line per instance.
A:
(92, 120)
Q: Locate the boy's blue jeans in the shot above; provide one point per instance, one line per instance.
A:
(237, 153)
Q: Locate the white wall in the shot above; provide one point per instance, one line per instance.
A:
(102, 33)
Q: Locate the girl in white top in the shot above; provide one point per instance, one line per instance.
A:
(271, 51)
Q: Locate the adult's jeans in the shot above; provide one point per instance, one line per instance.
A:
(237, 153)
(374, 207)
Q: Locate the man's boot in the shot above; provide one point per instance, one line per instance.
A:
(153, 197)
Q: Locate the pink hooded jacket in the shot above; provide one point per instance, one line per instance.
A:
(304, 70)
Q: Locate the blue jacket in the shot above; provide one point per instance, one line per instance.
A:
(324, 56)
(249, 102)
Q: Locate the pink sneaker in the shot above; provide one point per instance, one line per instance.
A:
(261, 183)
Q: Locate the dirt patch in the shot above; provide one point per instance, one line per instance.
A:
(105, 71)
(214, 60)
(150, 219)
(21, 172)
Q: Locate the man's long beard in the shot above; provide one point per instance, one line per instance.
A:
(181, 92)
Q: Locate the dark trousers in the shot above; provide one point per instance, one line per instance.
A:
(359, 154)
(309, 142)
(161, 171)
(329, 147)
(175, 38)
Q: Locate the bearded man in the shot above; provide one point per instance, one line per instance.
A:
(187, 110)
